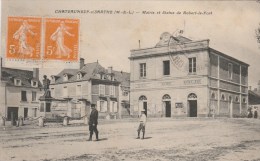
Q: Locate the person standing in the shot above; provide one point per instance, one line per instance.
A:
(93, 121)
(255, 113)
(141, 124)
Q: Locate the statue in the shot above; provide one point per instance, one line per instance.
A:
(46, 86)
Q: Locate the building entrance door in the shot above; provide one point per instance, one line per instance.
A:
(193, 108)
(143, 104)
(167, 105)
(25, 112)
(167, 109)
(12, 111)
(230, 107)
(145, 108)
(192, 101)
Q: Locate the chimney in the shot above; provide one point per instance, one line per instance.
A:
(81, 63)
(36, 73)
(110, 69)
(255, 90)
(250, 88)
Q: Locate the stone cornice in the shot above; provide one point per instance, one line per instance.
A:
(171, 48)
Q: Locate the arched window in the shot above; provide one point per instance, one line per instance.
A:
(166, 97)
(142, 98)
(213, 96)
(244, 100)
(237, 99)
(223, 97)
(192, 96)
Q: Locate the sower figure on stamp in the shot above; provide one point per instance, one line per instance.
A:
(141, 124)
(93, 121)
(59, 36)
(21, 35)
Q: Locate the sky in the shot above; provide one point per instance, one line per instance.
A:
(108, 38)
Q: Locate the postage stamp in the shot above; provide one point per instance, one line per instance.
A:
(61, 39)
(24, 38)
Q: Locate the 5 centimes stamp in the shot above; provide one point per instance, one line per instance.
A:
(61, 39)
(24, 38)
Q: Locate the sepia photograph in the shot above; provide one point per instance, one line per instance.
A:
(150, 80)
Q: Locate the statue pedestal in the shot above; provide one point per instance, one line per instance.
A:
(45, 104)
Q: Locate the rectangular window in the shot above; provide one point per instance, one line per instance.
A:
(33, 96)
(65, 91)
(103, 106)
(48, 107)
(101, 89)
(166, 67)
(34, 112)
(125, 93)
(78, 90)
(23, 96)
(65, 77)
(52, 92)
(192, 65)
(17, 82)
(113, 106)
(112, 90)
(143, 70)
(230, 70)
(42, 107)
(34, 84)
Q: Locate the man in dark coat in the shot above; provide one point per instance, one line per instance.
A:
(93, 121)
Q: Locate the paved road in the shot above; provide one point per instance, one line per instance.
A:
(166, 139)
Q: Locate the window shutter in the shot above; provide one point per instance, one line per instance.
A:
(115, 107)
(140, 105)
(110, 106)
(98, 105)
(105, 106)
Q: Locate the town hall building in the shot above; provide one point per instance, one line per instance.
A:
(187, 78)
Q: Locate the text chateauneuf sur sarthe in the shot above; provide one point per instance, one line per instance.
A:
(130, 12)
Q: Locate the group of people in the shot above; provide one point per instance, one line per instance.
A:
(252, 112)
(93, 122)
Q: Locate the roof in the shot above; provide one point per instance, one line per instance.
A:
(227, 56)
(91, 71)
(122, 77)
(26, 76)
(253, 98)
(166, 39)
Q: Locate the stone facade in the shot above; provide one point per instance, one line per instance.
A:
(74, 90)
(181, 77)
(19, 92)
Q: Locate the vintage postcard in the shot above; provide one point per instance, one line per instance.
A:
(130, 80)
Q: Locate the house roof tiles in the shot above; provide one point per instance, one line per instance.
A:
(91, 71)
(26, 76)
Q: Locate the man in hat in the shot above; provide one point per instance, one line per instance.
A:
(141, 124)
(93, 121)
